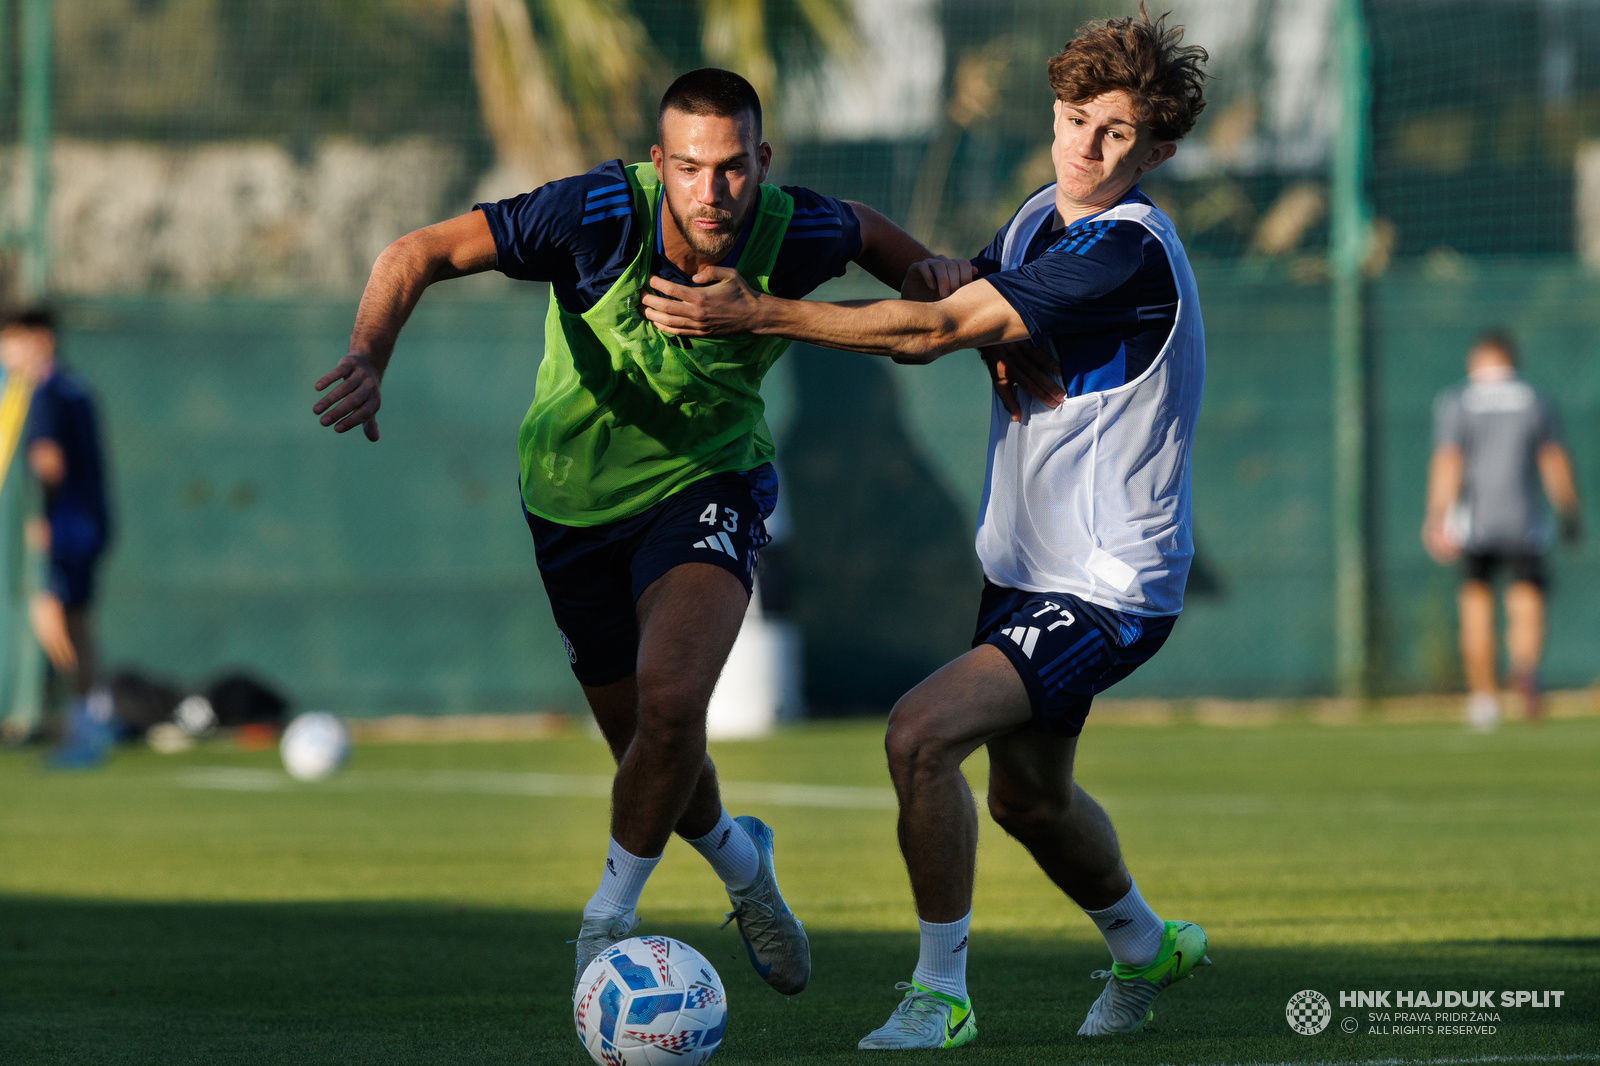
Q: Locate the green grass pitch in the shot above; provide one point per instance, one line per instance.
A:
(201, 909)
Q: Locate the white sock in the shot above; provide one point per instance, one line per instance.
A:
(621, 883)
(1483, 711)
(942, 965)
(731, 852)
(1131, 928)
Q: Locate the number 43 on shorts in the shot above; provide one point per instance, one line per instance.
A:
(729, 523)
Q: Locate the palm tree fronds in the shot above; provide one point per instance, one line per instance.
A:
(832, 22)
(532, 128)
(604, 55)
(734, 36)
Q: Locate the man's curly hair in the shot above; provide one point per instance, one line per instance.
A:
(1142, 58)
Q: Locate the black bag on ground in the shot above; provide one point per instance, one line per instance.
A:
(241, 699)
(139, 701)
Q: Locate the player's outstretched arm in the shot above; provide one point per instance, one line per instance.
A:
(912, 332)
(450, 249)
(889, 253)
(1012, 365)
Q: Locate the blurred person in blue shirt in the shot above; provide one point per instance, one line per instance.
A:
(62, 449)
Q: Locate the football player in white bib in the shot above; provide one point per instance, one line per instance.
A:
(1086, 299)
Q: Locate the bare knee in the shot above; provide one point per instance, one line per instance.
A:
(1029, 816)
(1475, 599)
(672, 718)
(1524, 601)
(915, 745)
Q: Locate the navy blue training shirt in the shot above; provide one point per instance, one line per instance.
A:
(77, 509)
(579, 234)
(1101, 290)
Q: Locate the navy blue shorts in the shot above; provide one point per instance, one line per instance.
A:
(1065, 649)
(71, 578)
(595, 574)
(76, 544)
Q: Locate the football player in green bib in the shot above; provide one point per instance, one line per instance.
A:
(646, 463)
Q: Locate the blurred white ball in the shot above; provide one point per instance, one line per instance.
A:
(168, 739)
(195, 716)
(314, 746)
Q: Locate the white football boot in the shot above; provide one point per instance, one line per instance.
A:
(595, 935)
(1124, 1005)
(924, 1019)
(772, 935)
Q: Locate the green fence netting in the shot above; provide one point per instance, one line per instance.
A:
(223, 174)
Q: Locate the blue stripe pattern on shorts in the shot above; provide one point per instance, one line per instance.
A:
(1056, 674)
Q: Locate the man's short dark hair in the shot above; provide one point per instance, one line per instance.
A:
(35, 317)
(1500, 339)
(713, 91)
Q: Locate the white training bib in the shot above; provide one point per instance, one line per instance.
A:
(1093, 498)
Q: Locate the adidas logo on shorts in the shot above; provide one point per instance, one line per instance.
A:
(718, 542)
(1026, 638)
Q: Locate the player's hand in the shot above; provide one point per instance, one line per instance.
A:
(355, 400)
(36, 534)
(723, 304)
(934, 279)
(1438, 543)
(49, 621)
(1020, 364)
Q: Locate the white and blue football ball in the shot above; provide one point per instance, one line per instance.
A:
(314, 746)
(650, 1001)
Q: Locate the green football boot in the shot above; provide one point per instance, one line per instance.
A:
(924, 1019)
(1124, 1006)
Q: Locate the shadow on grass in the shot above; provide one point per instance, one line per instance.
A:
(1573, 943)
(103, 982)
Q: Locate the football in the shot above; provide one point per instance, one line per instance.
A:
(314, 746)
(650, 1001)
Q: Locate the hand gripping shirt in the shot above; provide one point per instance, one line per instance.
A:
(625, 415)
(1093, 498)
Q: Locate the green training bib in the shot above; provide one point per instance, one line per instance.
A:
(624, 415)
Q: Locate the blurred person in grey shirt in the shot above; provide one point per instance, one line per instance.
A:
(1497, 459)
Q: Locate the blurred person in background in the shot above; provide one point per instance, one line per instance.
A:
(62, 449)
(1495, 446)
